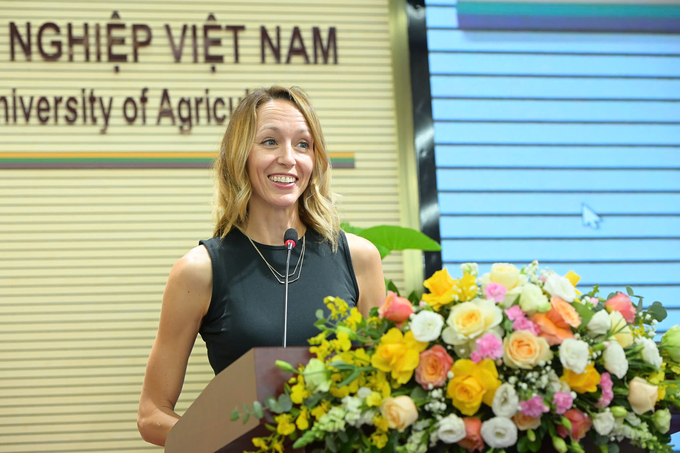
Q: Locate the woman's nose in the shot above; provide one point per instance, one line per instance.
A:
(287, 155)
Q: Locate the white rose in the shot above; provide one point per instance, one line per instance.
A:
(615, 360)
(599, 324)
(499, 432)
(505, 401)
(533, 300)
(650, 352)
(620, 329)
(559, 286)
(451, 429)
(574, 355)
(471, 320)
(426, 326)
(603, 423)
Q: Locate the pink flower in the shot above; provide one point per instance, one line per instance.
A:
(607, 393)
(623, 305)
(534, 407)
(525, 324)
(562, 402)
(514, 313)
(580, 424)
(594, 301)
(395, 308)
(488, 347)
(495, 291)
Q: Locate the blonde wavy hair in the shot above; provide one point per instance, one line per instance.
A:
(316, 205)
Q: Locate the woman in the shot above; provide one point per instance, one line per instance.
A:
(273, 173)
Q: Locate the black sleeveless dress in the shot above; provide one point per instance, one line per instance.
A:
(246, 309)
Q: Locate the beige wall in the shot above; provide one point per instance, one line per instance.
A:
(85, 252)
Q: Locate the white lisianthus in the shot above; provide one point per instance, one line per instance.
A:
(603, 423)
(470, 268)
(426, 326)
(599, 324)
(574, 355)
(499, 432)
(559, 286)
(650, 352)
(615, 360)
(505, 401)
(470, 320)
(533, 300)
(451, 429)
(555, 384)
(352, 405)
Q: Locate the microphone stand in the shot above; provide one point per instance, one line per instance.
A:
(289, 246)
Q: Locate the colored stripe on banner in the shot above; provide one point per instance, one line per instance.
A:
(38, 160)
(504, 15)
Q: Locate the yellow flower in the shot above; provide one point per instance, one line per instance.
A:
(398, 354)
(377, 381)
(322, 350)
(662, 392)
(353, 319)
(278, 445)
(302, 421)
(321, 409)
(573, 277)
(342, 342)
(467, 287)
(657, 377)
(259, 442)
(381, 423)
(318, 339)
(340, 392)
(374, 399)
(299, 392)
(442, 289)
(584, 382)
(379, 439)
(284, 426)
(337, 306)
(472, 384)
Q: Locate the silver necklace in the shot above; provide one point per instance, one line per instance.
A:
(278, 275)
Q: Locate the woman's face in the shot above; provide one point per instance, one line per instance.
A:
(281, 159)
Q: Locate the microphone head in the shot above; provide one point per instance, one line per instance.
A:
(290, 238)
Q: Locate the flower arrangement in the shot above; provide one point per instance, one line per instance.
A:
(483, 363)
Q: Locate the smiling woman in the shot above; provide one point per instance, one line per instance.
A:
(273, 174)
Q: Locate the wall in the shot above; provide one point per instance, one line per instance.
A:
(93, 215)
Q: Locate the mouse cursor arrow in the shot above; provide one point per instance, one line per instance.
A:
(589, 217)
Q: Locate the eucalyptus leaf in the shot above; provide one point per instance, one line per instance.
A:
(246, 417)
(235, 414)
(285, 402)
(257, 410)
(629, 290)
(657, 311)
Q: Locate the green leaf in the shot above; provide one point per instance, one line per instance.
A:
(657, 311)
(347, 228)
(246, 417)
(612, 448)
(349, 379)
(535, 445)
(629, 290)
(600, 440)
(383, 250)
(235, 414)
(293, 436)
(246, 409)
(343, 436)
(584, 312)
(522, 445)
(257, 410)
(414, 298)
(393, 238)
(418, 393)
(330, 443)
(389, 284)
(507, 325)
(272, 404)
(270, 427)
(285, 403)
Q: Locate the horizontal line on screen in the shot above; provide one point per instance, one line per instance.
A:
(551, 76)
(454, 167)
(547, 53)
(618, 145)
(557, 122)
(485, 98)
(542, 238)
(542, 214)
(562, 191)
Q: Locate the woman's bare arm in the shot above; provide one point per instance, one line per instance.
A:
(368, 270)
(185, 302)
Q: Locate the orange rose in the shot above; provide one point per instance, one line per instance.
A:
(524, 422)
(473, 437)
(554, 335)
(563, 314)
(434, 365)
(395, 308)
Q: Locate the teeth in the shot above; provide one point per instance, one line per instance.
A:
(282, 179)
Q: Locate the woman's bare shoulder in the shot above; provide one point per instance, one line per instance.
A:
(192, 276)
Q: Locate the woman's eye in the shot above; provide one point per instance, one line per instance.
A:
(269, 142)
(304, 145)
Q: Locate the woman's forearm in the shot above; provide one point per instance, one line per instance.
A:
(156, 424)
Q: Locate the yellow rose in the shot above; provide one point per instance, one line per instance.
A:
(442, 289)
(584, 382)
(523, 349)
(642, 396)
(399, 354)
(620, 329)
(470, 320)
(472, 384)
(505, 274)
(399, 412)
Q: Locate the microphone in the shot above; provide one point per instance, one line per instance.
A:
(290, 240)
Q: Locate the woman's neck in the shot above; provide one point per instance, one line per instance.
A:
(267, 226)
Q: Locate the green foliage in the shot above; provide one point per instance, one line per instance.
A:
(657, 311)
(390, 238)
(584, 312)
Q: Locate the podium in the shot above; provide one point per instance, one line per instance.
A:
(206, 426)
